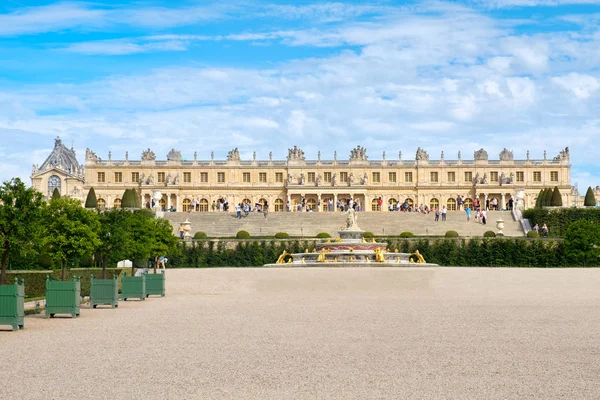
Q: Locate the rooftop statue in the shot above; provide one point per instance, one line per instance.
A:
(148, 155)
(359, 153)
(295, 154)
(174, 155)
(506, 155)
(233, 155)
(421, 155)
(480, 154)
(90, 155)
(563, 155)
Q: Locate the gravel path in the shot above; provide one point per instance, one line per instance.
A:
(318, 333)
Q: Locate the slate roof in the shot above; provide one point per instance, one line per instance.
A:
(61, 157)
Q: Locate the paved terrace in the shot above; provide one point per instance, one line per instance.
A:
(371, 333)
(309, 224)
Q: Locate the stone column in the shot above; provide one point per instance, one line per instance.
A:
(335, 199)
(367, 205)
(485, 199)
(503, 205)
(289, 201)
(319, 204)
(168, 201)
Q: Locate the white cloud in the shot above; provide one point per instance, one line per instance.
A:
(581, 85)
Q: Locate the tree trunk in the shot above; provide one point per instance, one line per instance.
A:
(5, 250)
(133, 268)
(155, 263)
(64, 271)
(103, 267)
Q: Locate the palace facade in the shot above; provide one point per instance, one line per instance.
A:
(419, 180)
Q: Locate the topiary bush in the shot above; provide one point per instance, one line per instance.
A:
(323, 235)
(281, 235)
(91, 201)
(368, 235)
(407, 235)
(489, 234)
(533, 234)
(242, 235)
(590, 199)
(200, 235)
(451, 234)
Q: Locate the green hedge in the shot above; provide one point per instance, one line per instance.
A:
(200, 235)
(451, 234)
(407, 235)
(242, 235)
(489, 234)
(282, 235)
(492, 252)
(323, 235)
(559, 220)
(35, 281)
(368, 235)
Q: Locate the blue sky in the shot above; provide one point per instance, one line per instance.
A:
(266, 75)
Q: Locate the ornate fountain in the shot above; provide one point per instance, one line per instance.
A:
(351, 249)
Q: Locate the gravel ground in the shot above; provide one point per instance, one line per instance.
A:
(319, 333)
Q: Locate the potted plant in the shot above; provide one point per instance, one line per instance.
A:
(63, 297)
(12, 304)
(133, 287)
(104, 291)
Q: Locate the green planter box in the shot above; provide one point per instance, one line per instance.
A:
(12, 305)
(155, 284)
(133, 287)
(63, 297)
(104, 291)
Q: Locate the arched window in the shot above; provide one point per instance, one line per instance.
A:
(409, 201)
(101, 204)
(468, 203)
(262, 202)
(375, 205)
(162, 203)
(393, 202)
(434, 203)
(311, 204)
(187, 205)
(247, 201)
(279, 205)
(203, 207)
(451, 204)
(53, 183)
(117, 203)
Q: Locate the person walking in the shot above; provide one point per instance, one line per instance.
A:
(468, 213)
(444, 211)
(483, 217)
(181, 231)
(238, 211)
(437, 214)
(265, 209)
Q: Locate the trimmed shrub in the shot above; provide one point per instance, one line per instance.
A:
(55, 194)
(590, 199)
(91, 201)
(281, 235)
(533, 234)
(407, 235)
(489, 234)
(540, 197)
(548, 197)
(451, 234)
(368, 235)
(323, 235)
(200, 235)
(242, 235)
(556, 200)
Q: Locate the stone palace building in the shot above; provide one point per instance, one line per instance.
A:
(418, 180)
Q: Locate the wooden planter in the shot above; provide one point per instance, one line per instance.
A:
(63, 297)
(104, 291)
(155, 284)
(133, 287)
(12, 305)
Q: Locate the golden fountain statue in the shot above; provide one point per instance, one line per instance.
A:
(418, 258)
(321, 257)
(281, 259)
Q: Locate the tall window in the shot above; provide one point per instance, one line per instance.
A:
(135, 177)
(117, 203)
(279, 177)
(376, 177)
(278, 205)
(311, 177)
(203, 207)
(204, 177)
(494, 176)
(343, 177)
(246, 177)
(434, 203)
(520, 176)
(161, 177)
(468, 176)
(187, 205)
(53, 183)
(101, 177)
(537, 176)
(375, 205)
(101, 204)
(262, 177)
(392, 177)
(554, 176)
(451, 204)
(408, 177)
(451, 176)
(118, 177)
(433, 176)
(221, 177)
(327, 177)
(187, 177)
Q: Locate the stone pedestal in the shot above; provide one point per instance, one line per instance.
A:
(351, 233)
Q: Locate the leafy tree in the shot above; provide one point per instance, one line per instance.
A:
(114, 236)
(582, 242)
(70, 231)
(163, 241)
(91, 201)
(590, 199)
(20, 210)
(141, 237)
(56, 194)
(556, 198)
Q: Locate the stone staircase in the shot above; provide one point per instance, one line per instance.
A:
(216, 224)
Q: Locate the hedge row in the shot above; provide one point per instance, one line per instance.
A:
(492, 252)
(35, 281)
(558, 220)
